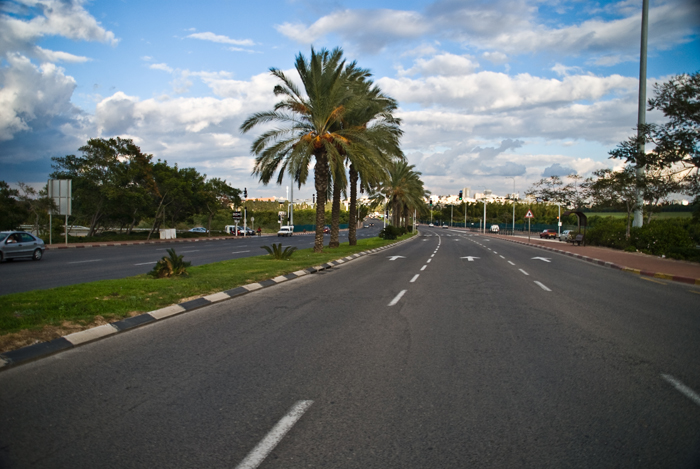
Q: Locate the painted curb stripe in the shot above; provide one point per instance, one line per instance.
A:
(280, 279)
(136, 321)
(238, 291)
(167, 312)
(194, 304)
(252, 286)
(267, 283)
(36, 351)
(89, 335)
(217, 297)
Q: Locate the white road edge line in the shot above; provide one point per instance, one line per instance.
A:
(521, 270)
(542, 286)
(397, 298)
(685, 390)
(146, 263)
(239, 252)
(423, 268)
(275, 435)
(415, 277)
(83, 262)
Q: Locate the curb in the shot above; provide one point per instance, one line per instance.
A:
(137, 243)
(646, 273)
(44, 349)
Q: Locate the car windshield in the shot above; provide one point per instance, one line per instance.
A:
(3, 235)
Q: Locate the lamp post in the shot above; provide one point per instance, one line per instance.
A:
(513, 198)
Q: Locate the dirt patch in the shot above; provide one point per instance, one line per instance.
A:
(17, 340)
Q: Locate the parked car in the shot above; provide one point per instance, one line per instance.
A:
(247, 232)
(495, 228)
(198, 229)
(431, 224)
(565, 235)
(16, 244)
(286, 231)
(444, 226)
(549, 234)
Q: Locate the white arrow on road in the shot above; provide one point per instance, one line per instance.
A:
(393, 258)
(542, 259)
(470, 258)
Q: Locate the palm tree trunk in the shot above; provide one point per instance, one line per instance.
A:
(335, 217)
(321, 183)
(405, 216)
(352, 228)
(395, 213)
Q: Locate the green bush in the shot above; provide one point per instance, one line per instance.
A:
(277, 253)
(688, 254)
(171, 265)
(659, 236)
(392, 232)
(609, 232)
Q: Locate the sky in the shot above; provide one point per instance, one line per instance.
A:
(493, 94)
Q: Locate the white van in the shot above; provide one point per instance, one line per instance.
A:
(230, 229)
(494, 229)
(286, 231)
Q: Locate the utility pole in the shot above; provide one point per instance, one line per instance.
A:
(452, 212)
(484, 215)
(641, 112)
(291, 207)
(512, 196)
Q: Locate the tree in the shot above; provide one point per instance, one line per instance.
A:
(218, 195)
(615, 188)
(404, 190)
(312, 127)
(12, 212)
(106, 178)
(552, 189)
(38, 206)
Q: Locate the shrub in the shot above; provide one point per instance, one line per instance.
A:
(659, 236)
(170, 266)
(392, 232)
(609, 232)
(277, 253)
(687, 254)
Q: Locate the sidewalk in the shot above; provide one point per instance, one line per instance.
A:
(633, 262)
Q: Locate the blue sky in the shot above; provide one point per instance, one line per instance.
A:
(488, 90)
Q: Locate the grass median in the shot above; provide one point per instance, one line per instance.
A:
(41, 315)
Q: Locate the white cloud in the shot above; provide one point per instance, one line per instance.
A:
(46, 55)
(497, 58)
(443, 64)
(208, 36)
(32, 95)
(163, 67)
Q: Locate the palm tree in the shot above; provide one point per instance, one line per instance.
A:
(312, 127)
(376, 145)
(404, 190)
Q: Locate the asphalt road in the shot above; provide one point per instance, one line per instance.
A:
(61, 267)
(514, 358)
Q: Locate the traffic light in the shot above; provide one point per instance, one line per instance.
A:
(245, 193)
(313, 198)
(431, 203)
(460, 195)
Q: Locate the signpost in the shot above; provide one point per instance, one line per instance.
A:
(528, 215)
(60, 191)
(237, 216)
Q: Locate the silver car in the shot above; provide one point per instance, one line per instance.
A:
(564, 235)
(15, 244)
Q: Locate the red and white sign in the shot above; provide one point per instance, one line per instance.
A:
(529, 214)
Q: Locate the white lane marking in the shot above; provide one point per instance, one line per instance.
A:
(685, 390)
(469, 258)
(415, 277)
(496, 253)
(275, 435)
(510, 263)
(423, 268)
(501, 256)
(83, 262)
(542, 286)
(429, 260)
(545, 259)
(185, 252)
(239, 252)
(146, 263)
(521, 270)
(432, 255)
(397, 298)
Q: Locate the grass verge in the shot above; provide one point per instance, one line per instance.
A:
(41, 315)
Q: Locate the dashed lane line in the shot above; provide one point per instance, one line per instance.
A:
(542, 286)
(521, 270)
(685, 390)
(415, 277)
(84, 262)
(423, 268)
(397, 298)
(510, 263)
(272, 439)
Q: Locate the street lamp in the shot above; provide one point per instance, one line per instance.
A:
(512, 197)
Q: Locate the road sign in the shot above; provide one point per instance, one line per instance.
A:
(237, 215)
(529, 214)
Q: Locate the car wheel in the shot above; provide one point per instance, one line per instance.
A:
(37, 255)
